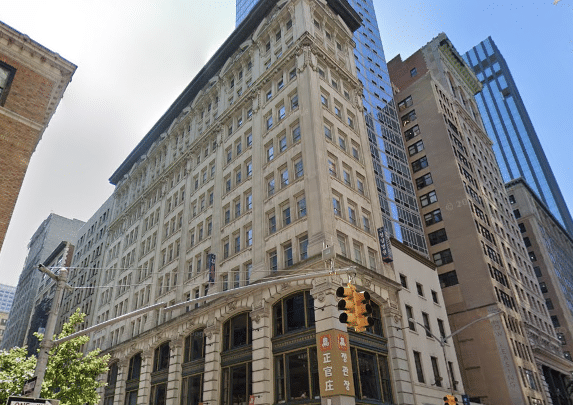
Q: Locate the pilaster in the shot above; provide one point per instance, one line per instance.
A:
(262, 370)
(212, 365)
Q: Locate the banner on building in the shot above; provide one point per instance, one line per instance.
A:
(211, 266)
(385, 249)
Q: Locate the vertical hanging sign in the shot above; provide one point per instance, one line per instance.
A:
(334, 364)
(384, 246)
(211, 266)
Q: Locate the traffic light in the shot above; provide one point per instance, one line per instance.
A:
(347, 304)
(450, 400)
(363, 311)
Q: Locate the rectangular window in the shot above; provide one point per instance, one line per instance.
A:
(270, 187)
(419, 164)
(420, 289)
(424, 181)
(428, 199)
(282, 112)
(298, 169)
(282, 143)
(273, 263)
(412, 132)
(296, 134)
(294, 102)
(409, 118)
(272, 223)
(303, 247)
(443, 257)
(407, 102)
(419, 369)
(286, 216)
(324, 100)
(342, 244)
(436, 370)
(287, 252)
(426, 319)
(327, 132)
(438, 236)
(336, 206)
(269, 122)
(433, 217)
(448, 279)
(6, 75)
(410, 315)
(301, 207)
(284, 178)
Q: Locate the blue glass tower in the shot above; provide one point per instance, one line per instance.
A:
(517, 147)
(393, 179)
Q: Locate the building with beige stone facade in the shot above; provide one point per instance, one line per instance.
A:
(258, 169)
(550, 249)
(471, 233)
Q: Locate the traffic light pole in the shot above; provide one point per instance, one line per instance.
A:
(443, 340)
(46, 344)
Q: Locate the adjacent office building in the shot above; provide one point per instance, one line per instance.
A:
(260, 170)
(86, 265)
(472, 235)
(393, 178)
(550, 249)
(32, 82)
(43, 303)
(6, 298)
(47, 237)
(516, 145)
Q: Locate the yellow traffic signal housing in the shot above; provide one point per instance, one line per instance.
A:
(363, 311)
(347, 304)
(450, 400)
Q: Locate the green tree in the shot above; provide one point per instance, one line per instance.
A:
(15, 369)
(71, 376)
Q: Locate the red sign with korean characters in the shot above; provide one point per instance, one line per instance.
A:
(334, 364)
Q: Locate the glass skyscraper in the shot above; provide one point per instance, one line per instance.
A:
(393, 178)
(517, 147)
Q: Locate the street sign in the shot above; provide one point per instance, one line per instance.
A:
(31, 401)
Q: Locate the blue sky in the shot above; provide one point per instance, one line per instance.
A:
(135, 57)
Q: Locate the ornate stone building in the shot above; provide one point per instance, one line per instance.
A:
(258, 169)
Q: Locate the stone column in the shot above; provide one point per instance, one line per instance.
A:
(174, 382)
(397, 355)
(145, 377)
(122, 370)
(263, 371)
(326, 315)
(211, 376)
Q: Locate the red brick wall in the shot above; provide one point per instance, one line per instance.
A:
(29, 93)
(400, 70)
(28, 97)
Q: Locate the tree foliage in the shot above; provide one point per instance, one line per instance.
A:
(15, 369)
(71, 376)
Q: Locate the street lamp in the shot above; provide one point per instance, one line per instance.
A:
(443, 340)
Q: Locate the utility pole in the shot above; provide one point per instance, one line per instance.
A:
(46, 344)
(443, 340)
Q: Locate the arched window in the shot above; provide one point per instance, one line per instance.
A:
(111, 381)
(237, 332)
(132, 383)
(293, 313)
(236, 358)
(160, 374)
(193, 368)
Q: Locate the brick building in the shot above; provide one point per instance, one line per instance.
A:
(32, 82)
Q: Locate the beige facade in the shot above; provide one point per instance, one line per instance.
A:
(435, 371)
(472, 236)
(551, 251)
(263, 162)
